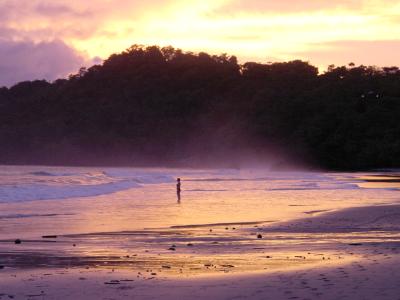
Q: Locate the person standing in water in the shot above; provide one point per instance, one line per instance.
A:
(178, 188)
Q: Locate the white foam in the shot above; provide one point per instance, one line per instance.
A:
(32, 183)
(31, 192)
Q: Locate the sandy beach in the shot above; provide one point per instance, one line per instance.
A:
(304, 244)
(346, 254)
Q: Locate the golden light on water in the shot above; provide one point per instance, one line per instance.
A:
(227, 222)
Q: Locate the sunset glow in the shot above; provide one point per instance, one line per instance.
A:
(321, 32)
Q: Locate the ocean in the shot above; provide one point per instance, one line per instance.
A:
(39, 200)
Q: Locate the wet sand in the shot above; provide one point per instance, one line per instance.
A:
(350, 253)
(371, 278)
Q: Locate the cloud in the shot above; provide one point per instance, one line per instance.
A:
(297, 6)
(56, 10)
(45, 39)
(93, 12)
(79, 23)
(26, 60)
(379, 53)
(250, 29)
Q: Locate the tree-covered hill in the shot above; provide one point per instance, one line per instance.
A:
(152, 106)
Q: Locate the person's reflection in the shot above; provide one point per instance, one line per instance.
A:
(178, 189)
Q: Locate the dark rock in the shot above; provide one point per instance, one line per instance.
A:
(49, 237)
(1, 267)
(112, 282)
(259, 236)
(172, 249)
(17, 241)
(190, 245)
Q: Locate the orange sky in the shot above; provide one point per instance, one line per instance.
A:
(322, 32)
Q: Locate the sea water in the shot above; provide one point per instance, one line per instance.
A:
(38, 200)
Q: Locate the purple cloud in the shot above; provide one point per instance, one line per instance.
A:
(26, 60)
(51, 10)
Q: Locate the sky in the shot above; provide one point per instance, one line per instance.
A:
(50, 39)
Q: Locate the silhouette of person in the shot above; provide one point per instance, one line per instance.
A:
(178, 189)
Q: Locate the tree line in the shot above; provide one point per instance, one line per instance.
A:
(163, 106)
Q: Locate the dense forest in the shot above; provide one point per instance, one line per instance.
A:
(162, 106)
